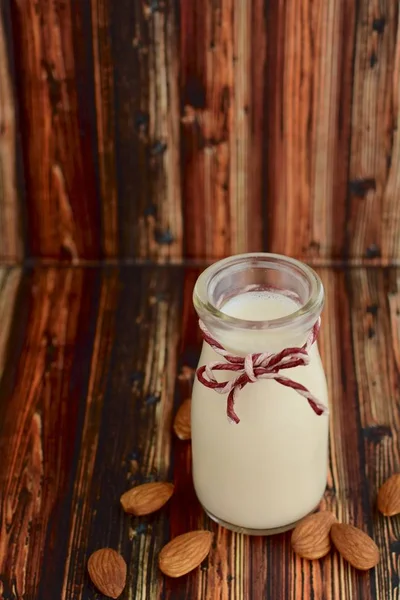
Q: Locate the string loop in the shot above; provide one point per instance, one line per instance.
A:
(254, 367)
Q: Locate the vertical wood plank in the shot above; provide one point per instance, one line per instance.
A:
(374, 223)
(390, 221)
(376, 334)
(246, 139)
(105, 120)
(79, 521)
(53, 56)
(309, 94)
(39, 419)
(258, 147)
(148, 137)
(222, 126)
(11, 245)
(9, 284)
(164, 130)
(138, 392)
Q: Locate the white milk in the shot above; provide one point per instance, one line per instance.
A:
(269, 470)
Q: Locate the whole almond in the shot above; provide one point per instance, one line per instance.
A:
(355, 546)
(146, 498)
(182, 425)
(184, 553)
(107, 570)
(310, 539)
(389, 496)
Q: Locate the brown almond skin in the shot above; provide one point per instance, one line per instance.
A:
(389, 496)
(355, 546)
(146, 498)
(310, 539)
(184, 553)
(107, 570)
(182, 425)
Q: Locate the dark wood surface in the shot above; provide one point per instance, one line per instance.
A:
(162, 129)
(94, 363)
(11, 193)
(168, 130)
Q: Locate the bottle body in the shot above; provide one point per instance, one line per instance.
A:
(266, 472)
(270, 470)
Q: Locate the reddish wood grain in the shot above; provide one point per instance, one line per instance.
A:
(222, 65)
(376, 327)
(89, 366)
(146, 74)
(53, 69)
(310, 81)
(206, 91)
(174, 130)
(11, 245)
(105, 120)
(39, 416)
(374, 210)
(79, 524)
(9, 285)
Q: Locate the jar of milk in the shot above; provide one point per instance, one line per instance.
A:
(259, 404)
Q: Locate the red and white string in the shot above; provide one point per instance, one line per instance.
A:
(254, 367)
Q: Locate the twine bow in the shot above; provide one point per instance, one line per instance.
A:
(253, 367)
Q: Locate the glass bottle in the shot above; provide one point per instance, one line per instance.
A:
(263, 473)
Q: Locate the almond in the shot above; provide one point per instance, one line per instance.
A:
(355, 546)
(182, 425)
(184, 553)
(146, 498)
(310, 539)
(107, 570)
(389, 496)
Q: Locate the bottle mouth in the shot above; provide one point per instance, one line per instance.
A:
(256, 272)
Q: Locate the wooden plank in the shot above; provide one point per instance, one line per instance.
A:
(11, 245)
(374, 210)
(310, 47)
(376, 333)
(139, 393)
(222, 71)
(9, 285)
(55, 89)
(79, 521)
(86, 406)
(39, 418)
(247, 118)
(105, 120)
(144, 40)
(172, 130)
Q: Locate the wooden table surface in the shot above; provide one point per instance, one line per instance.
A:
(94, 363)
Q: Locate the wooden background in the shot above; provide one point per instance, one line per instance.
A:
(89, 359)
(167, 129)
(140, 133)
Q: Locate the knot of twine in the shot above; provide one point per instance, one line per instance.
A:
(253, 367)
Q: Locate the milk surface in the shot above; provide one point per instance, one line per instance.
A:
(269, 470)
(260, 306)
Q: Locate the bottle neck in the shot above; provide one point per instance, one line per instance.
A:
(241, 342)
(254, 303)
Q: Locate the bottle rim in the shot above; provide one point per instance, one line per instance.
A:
(304, 316)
